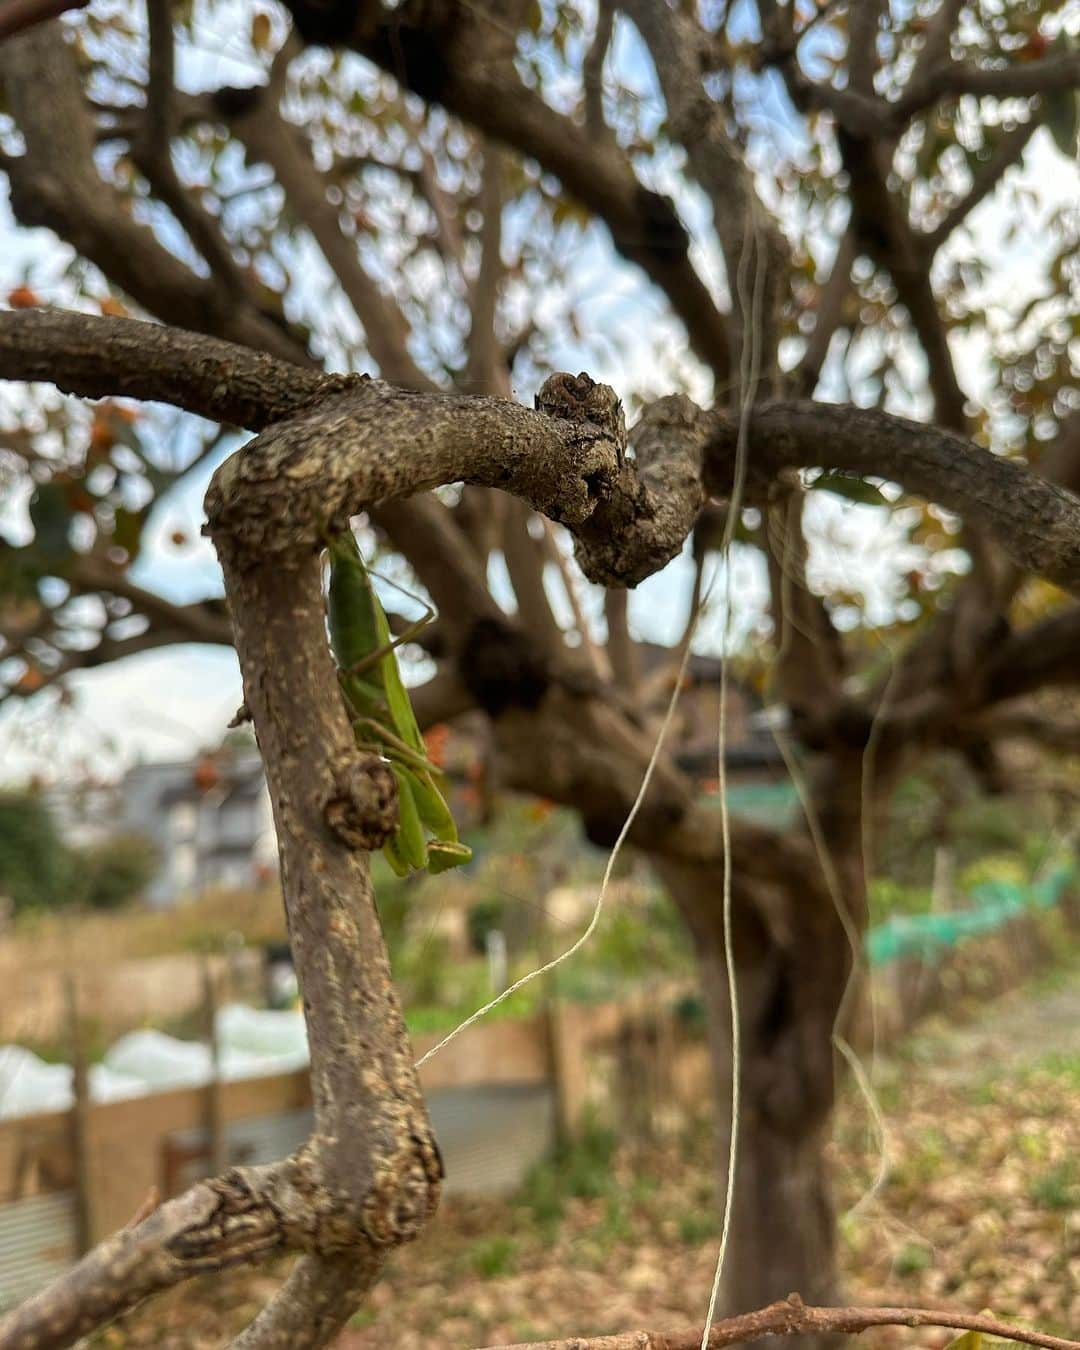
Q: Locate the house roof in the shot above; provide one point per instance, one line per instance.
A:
(702, 669)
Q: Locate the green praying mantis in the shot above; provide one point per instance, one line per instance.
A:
(382, 714)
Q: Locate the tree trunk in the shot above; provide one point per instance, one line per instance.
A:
(792, 963)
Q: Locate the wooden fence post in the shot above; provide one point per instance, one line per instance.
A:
(80, 1124)
(215, 1106)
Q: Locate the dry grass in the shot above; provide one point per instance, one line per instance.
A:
(67, 941)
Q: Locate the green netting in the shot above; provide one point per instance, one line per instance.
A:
(993, 903)
(767, 803)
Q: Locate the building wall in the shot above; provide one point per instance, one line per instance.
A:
(205, 837)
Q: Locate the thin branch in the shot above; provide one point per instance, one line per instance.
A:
(860, 114)
(1060, 459)
(792, 1317)
(1042, 654)
(485, 371)
(477, 81)
(621, 649)
(596, 656)
(829, 317)
(1055, 733)
(882, 229)
(440, 700)
(864, 24)
(205, 621)
(809, 666)
(593, 67)
(985, 177)
(937, 42)
(525, 558)
(219, 380)
(1036, 522)
(268, 137)
(1050, 75)
(151, 151)
(697, 122)
(56, 184)
(444, 207)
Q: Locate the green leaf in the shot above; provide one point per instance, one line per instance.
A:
(127, 530)
(851, 486)
(970, 1340)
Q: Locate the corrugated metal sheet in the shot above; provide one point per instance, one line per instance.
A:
(490, 1137)
(37, 1243)
(249, 1141)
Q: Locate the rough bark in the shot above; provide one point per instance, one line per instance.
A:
(792, 964)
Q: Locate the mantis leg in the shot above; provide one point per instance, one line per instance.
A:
(400, 750)
(374, 657)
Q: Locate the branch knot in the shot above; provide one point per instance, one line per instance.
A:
(362, 810)
(580, 398)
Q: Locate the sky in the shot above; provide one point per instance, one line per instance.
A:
(167, 704)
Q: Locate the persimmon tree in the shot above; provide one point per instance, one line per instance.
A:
(404, 188)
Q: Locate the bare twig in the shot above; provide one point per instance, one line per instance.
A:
(791, 1317)
(985, 177)
(593, 70)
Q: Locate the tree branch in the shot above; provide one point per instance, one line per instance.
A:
(792, 1317)
(566, 461)
(485, 371)
(985, 177)
(1054, 733)
(268, 137)
(151, 152)
(1028, 79)
(207, 621)
(884, 232)
(99, 358)
(829, 317)
(1036, 522)
(56, 184)
(697, 122)
(1045, 653)
(234, 1219)
(593, 68)
(313, 1304)
(809, 663)
(621, 649)
(462, 57)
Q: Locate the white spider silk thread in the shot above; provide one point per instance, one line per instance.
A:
(859, 963)
(749, 371)
(613, 857)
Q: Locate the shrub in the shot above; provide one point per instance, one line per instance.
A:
(116, 870)
(36, 870)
